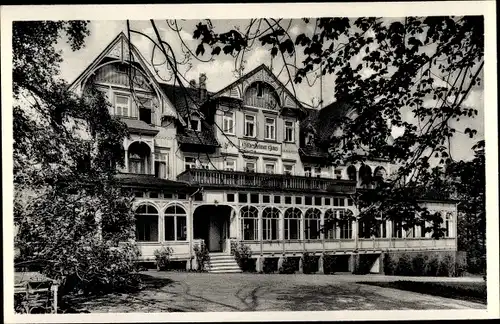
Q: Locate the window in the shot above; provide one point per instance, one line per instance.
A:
(292, 223)
(277, 199)
(230, 165)
(153, 194)
(310, 139)
(228, 122)
(195, 124)
(175, 224)
(122, 105)
(307, 171)
(189, 163)
(198, 196)
(139, 194)
(266, 199)
(308, 200)
(317, 172)
(338, 202)
(146, 223)
(289, 131)
(270, 129)
(288, 200)
(397, 229)
(269, 168)
(145, 109)
(259, 90)
(327, 201)
(230, 197)
(249, 223)
(288, 169)
(254, 198)
(317, 201)
(181, 196)
(350, 202)
(298, 200)
(242, 197)
(249, 125)
(270, 224)
(312, 219)
(161, 165)
(345, 224)
(250, 166)
(338, 174)
(331, 224)
(447, 225)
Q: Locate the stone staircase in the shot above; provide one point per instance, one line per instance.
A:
(222, 263)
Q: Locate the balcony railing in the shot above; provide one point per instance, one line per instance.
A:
(276, 182)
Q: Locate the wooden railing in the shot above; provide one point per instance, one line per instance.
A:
(279, 182)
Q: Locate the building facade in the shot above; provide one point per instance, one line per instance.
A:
(237, 165)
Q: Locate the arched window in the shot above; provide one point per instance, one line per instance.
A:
(312, 218)
(270, 224)
(249, 223)
(365, 175)
(175, 224)
(380, 174)
(146, 223)
(352, 173)
(345, 223)
(139, 158)
(292, 223)
(448, 221)
(331, 224)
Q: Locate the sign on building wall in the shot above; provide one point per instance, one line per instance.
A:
(258, 147)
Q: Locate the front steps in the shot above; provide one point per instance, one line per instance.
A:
(222, 263)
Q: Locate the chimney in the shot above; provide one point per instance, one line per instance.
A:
(203, 87)
(192, 83)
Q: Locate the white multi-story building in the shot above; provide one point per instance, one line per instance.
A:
(240, 164)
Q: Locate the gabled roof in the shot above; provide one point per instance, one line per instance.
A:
(253, 72)
(116, 48)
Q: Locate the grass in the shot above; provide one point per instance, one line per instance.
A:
(469, 291)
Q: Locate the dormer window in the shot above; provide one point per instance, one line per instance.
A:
(195, 123)
(310, 139)
(145, 109)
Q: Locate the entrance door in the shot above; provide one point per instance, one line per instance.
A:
(215, 233)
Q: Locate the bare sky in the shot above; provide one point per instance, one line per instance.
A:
(220, 71)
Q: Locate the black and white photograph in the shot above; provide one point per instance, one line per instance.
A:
(309, 161)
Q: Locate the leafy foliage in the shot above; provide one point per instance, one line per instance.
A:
(162, 257)
(202, 256)
(329, 263)
(289, 265)
(433, 264)
(270, 265)
(243, 256)
(72, 218)
(309, 263)
(413, 73)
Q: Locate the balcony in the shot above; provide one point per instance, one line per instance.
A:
(271, 182)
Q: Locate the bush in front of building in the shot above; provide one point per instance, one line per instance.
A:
(364, 264)
(289, 266)
(309, 263)
(430, 264)
(329, 263)
(202, 256)
(243, 256)
(162, 257)
(270, 265)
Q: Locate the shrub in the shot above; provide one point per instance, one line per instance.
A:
(309, 263)
(202, 256)
(389, 264)
(162, 257)
(418, 265)
(289, 266)
(446, 266)
(329, 262)
(404, 266)
(243, 256)
(270, 265)
(431, 267)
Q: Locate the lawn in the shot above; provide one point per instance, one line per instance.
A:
(469, 291)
